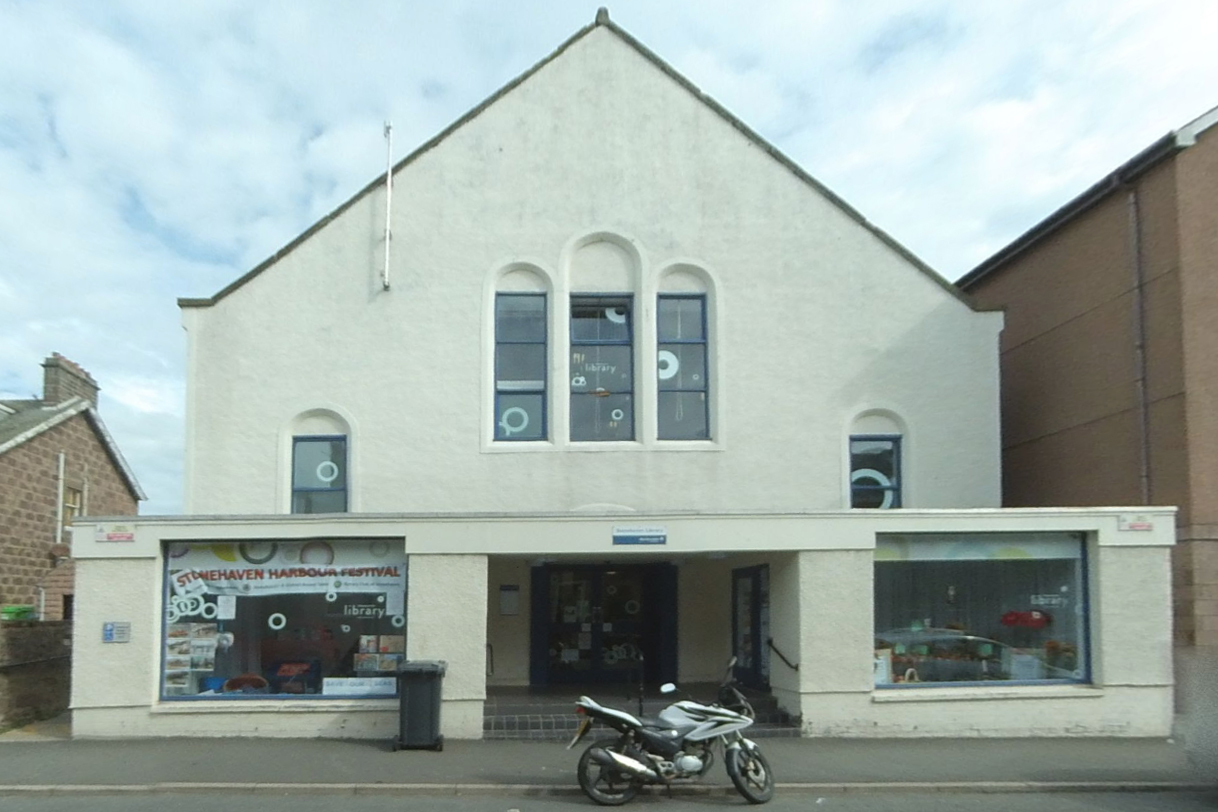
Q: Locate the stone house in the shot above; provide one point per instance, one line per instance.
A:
(57, 462)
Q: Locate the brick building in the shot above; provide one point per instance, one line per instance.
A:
(57, 461)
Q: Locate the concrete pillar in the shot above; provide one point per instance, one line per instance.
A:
(446, 620)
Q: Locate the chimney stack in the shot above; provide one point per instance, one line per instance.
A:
(62, 380)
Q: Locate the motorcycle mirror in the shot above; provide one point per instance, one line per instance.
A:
(667, 688)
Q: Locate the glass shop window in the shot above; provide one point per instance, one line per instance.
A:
(520, 366)
(980, 608)
(602, 368)
(299, 619)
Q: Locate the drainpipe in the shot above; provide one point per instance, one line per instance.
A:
(388, 201)
(1139, 333)
(59, 502)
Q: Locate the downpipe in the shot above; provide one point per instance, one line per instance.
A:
(626, 764)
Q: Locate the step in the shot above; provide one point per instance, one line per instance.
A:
(555, 730)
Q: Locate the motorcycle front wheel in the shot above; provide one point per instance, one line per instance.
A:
(750, 772)
(605, 785)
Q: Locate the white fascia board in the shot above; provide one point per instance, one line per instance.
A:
(1186, 136)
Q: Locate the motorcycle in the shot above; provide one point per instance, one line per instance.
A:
(678, 744)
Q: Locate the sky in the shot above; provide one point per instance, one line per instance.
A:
(157, 150)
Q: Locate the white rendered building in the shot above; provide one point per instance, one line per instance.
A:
(628, 390)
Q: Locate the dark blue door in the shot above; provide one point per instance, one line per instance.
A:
(751, 625)
(605, 623)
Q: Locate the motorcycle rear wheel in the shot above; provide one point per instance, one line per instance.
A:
(605, 785)
(750, 773)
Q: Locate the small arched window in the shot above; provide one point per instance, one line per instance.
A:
(875, 461)
(320, 461)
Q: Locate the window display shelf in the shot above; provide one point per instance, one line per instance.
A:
(286, 705)
(987, 693)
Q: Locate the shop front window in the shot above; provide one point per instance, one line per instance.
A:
(299, 619)
(980, 608)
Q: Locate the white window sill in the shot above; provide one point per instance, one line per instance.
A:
(975, 693)
(593, 447)
(318, 705)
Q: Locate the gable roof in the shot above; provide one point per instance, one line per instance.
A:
(602, 21)
(1166, 147)
(23, 420)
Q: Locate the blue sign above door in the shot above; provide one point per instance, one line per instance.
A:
(640, 535)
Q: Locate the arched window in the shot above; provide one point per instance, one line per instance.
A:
(875, 461)
(683, 360)
(320, 462)
(522, 355)
(603, 272)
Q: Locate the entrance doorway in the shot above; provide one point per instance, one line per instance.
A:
(751, 625)
(604, 624)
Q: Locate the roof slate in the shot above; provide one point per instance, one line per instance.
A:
(30, 418)
(28, 414)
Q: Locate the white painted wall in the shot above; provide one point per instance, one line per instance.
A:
(821, 571)
(598, 170)
(446, 620)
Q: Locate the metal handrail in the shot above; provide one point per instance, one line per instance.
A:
(770, 642)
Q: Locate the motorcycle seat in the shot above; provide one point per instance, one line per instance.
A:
(595, 708)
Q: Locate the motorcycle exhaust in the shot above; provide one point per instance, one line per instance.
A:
(627, 764)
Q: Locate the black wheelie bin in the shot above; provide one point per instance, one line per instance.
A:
(419, 684)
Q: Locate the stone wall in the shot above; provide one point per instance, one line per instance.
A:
(35, 671)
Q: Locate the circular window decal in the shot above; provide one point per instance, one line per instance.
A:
(173, 616)
(327, 471)
(258, 552)
(209, 611)
(317, 552)
(331, 597)
(510, 428)
(667, 364)
(878, 477)
(632, 607)
(277, 621)
(398, 621)
(617, 414)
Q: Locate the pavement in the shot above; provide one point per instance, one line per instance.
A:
(43, 759)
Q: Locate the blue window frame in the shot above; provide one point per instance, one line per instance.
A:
(875, 471)
(602, 368)
(520, 366)
(681, 367)
(319, 474)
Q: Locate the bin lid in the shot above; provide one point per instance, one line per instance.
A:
(423, 667)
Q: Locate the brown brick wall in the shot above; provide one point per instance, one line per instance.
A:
(29, 493)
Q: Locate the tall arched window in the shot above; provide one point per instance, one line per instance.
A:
(522, 355)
